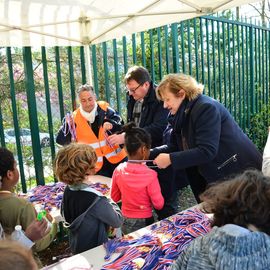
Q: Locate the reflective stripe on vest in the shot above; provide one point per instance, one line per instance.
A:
(100, 159)
(86, 135)
(114, 153)
(97, 145)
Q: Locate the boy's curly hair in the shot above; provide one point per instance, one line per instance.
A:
(244, 200)
(73, 162)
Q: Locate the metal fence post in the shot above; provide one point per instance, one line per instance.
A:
(31, 99)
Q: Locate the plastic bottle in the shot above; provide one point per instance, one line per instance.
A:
(118, 233)
(2, 234)
(19, 236)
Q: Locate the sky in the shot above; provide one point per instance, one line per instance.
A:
(249, 12)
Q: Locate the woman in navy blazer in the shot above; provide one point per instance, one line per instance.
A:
(205, 140)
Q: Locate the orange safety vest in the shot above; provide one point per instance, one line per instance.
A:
(85, 134)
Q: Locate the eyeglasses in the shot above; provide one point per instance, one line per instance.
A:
(133, 91)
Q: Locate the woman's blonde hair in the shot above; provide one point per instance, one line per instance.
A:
(175, 82)
(73, 162)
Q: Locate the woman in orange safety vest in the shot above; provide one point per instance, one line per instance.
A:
(90, 124)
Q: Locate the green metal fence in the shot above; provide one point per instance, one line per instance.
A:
(37, 86)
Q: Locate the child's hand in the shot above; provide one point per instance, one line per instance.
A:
(37, 230)
(107, 126)
(49, 217)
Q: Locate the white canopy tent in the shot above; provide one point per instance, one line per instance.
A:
(85, 22)
(77, 22)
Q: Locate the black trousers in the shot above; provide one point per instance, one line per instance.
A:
(166, 179)
(197, 183)
(181, 179)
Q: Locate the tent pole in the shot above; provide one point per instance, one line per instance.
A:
(85, 29)
(87, 55)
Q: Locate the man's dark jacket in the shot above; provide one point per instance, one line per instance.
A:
(153, 115)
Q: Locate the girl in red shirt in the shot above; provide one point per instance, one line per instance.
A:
(135, 184)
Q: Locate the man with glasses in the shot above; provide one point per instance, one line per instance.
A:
(148, 113)
(143, 108)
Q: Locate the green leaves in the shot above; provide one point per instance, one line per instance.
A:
(259, 125)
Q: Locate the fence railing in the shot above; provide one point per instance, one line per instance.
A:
(38, 86)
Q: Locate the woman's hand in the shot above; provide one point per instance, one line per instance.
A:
(69, 119)
(117, 139)
(107, 126)
(163, 161)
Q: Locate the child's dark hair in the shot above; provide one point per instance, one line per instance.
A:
(6, 162)
(242, 201)
(135, 138)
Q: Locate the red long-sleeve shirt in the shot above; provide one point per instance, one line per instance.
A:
(138, 188)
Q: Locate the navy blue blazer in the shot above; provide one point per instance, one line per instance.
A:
(206, 136)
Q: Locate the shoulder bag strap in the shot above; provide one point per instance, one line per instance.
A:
(66, 224)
